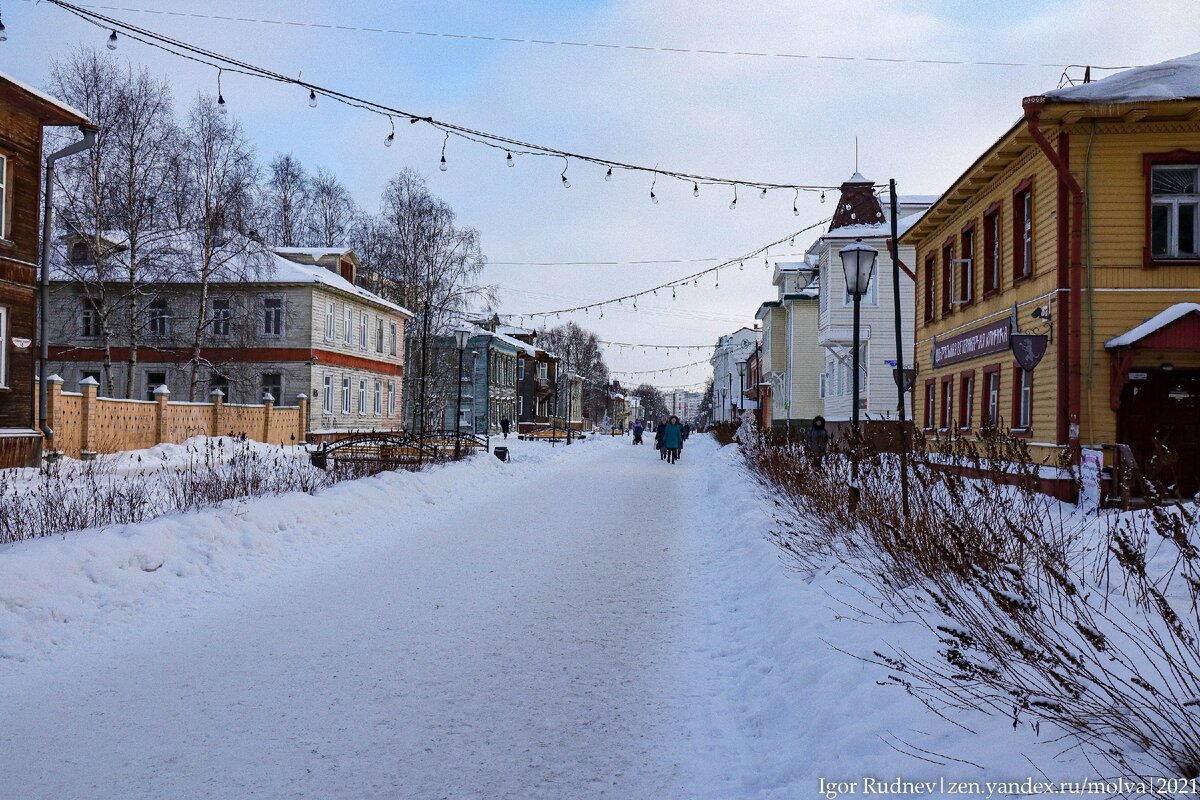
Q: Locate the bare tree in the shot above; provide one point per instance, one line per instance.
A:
(220, 172)
(286, 203)
(332, 212)
(585, 356)
(415, 255)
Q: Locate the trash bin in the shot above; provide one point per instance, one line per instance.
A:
(501, 453)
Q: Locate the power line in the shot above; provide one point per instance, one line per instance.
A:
(608, 46)
(673, 284)
(510, 145)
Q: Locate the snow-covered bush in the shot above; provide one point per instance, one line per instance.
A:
(1039, 611)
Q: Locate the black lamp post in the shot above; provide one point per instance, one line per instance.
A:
(741, 368)
(461, 335)
(858, 262)
(729, 398)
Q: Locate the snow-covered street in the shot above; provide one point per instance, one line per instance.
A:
(582, 622)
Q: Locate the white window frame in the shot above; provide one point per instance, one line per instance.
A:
(1027, 235)
(327, 388)
(379, 335)
(1025, 422)
(520, 407)
(870, 298)
(968, 399)
(4, 346)
(391, 390)
(993, 390)
(996, 252)
(947, 420)
(362, 397)
(348, 324)
(267, 318)
(156, 320)
(363, 333)
(330, 320)
(89, 318)
(222, 318)
(395, 341)
(543, 370)
(521, 369)
(379, 398)
(346, 399)
(1173, 202)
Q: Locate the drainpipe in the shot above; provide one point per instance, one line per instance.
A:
(86, 143)
(1033, 110)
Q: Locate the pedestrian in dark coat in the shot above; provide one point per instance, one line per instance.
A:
(658, 438)
(672, 438)
(504, 423)
(687, 431)
(818, 437)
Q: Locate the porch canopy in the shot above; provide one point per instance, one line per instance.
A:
(1175, 328)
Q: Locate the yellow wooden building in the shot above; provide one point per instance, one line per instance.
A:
(1077, 232)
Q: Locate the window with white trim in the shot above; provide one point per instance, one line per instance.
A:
(327, 398)
(4, 232)
(345, 395)
(378, 398)
(521, 369)
(391, 398)
(222, 316)
(1174, 212)
(362, 395)
(330, 318)
(1025, 400)
(272, 309)
(362, 330)
(379, 335)
(395, 341)
(89, 319)
(158, 318)
(348, 324)
(993, 399)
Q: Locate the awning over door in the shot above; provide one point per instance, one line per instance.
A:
(1175, 328)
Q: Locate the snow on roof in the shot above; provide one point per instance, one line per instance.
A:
(1176, 79)
(282, 270)
(917, 199)
(524, 347)
(316, 253)
(512, 329)
(40, 95)
(1159, 321)
(883, 229)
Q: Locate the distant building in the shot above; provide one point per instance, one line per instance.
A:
(793, 363)
(291, 322)
(727, 383)
(684, 404)
(24, 112)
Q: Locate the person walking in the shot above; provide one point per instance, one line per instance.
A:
(672, 439)
(687, 431)
(504, 423)
(637, 432)
(658, 438)
(818, 438)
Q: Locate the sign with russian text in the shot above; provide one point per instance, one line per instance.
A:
(992, 338)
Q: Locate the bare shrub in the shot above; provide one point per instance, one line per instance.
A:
(1041, 613)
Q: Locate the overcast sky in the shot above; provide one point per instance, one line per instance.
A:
(770, 119)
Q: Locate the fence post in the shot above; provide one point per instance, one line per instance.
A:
(302, 423)
(53, 403)
(162, 395)
(218, 403)
(268, 406)
(87, 429)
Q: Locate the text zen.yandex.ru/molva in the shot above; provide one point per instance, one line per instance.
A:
(1027, 787)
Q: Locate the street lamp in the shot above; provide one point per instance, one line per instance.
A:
(858, 262)
(741, 368)
(570, 400)
(461, 336)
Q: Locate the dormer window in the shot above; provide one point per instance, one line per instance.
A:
(79, 253)
(346, 269)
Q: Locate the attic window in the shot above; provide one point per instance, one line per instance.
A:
(346, 269)
(79, 253)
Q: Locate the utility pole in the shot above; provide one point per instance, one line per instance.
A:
(900, 379)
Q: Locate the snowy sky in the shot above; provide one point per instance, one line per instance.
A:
(782, 120)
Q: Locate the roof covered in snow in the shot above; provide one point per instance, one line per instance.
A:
(880, 229)
(51, 110)
(1159, 321)
(1177, 79)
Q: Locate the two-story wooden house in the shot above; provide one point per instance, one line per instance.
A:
(280, 321)
(24, 112)
(1059, 276)
(793, 363)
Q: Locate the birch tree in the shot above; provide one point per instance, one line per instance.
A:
(287, 203)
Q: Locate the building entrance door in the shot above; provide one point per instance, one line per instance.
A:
(1160, 421)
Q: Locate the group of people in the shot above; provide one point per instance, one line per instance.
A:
(669, 437)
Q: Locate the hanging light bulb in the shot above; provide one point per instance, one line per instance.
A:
(312, 98)
(672, 292)
(391, 137)
(741, 266)
(763, 196)
(566, 183)
(795, 200)
(695, 190)
(443, 166)
(822, 197)
(3, 35)
(112, 41)
(608, 175)
(733, 203)
(221, 106)
(510, 160)
(653, 197)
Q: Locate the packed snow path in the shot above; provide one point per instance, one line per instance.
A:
(584, 622)
(528, 644)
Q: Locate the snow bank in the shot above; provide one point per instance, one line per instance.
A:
(58, 588)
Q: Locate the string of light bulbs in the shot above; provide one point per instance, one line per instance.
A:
(598, 45)
(509, 145)
(660, 371)
(672, 285)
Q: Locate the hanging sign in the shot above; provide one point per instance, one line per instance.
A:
(991, 338)
(1028, 348)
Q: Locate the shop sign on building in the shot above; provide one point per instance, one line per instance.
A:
(991, 338)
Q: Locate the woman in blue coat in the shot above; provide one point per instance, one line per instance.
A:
(672, 439)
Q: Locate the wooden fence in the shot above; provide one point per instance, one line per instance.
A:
(85, 425)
